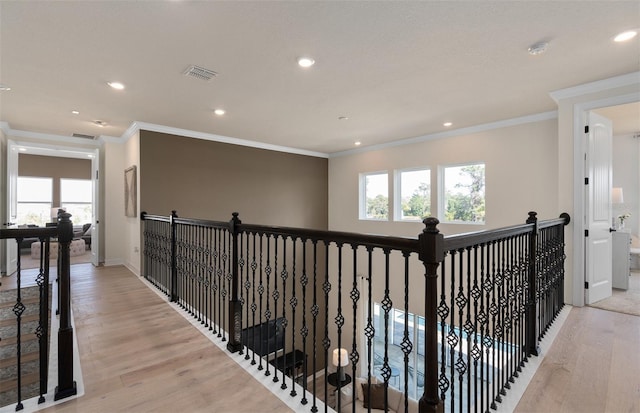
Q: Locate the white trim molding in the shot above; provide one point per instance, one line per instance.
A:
(597, 86)
(538, 117)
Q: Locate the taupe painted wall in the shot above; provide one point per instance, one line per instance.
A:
(210, 180)
(54, 167)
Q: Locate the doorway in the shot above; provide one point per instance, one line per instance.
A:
(623, 111)
(71, 176)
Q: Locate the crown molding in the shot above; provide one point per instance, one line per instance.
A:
(539, 117)
(138, 126)
(13, 133)
(597, 86)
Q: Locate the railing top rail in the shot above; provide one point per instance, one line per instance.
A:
(150, 217)
(406, 244)
(470, 239)
(338, 237)
(563, 220)
(8, 233)
(202, 222)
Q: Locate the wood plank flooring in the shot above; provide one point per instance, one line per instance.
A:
(139, 355)
(592, 366)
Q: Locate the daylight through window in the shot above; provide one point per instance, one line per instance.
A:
(75, 196)
(374, 199)
(464, 194)
(414, 197)
(35, 196)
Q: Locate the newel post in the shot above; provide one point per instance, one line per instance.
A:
(66, 385)
(431, 252)
(174, 262)
(235, 306)
(531, 338)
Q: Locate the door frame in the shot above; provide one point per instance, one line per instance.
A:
(93, 153)
(580, 116)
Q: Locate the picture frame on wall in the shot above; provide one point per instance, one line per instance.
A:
(130, 192)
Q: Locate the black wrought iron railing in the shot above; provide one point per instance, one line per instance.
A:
(442, 323)
(13, 372)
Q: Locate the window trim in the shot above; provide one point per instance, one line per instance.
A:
(362, 197)
(397, 192)
(441, 192)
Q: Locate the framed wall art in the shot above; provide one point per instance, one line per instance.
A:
(130, 192)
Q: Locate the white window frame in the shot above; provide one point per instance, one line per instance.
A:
(397, 196)
(442, 196)
(363, 196)
(24, 201)
(65, 203)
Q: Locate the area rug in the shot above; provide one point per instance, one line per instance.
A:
(30, 298)
(624, 301)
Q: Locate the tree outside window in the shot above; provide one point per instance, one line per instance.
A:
(374, 196)
(414, 194)
(464, 193)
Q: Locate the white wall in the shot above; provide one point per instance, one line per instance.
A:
(521, 165)
(131, 238)
(114, 228)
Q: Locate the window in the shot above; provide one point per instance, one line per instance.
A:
(374, 196)
(35, 196)
(75, 196)
(464, 190)
(413, 194)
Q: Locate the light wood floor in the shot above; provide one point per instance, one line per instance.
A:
(139, 355)
(592, 366)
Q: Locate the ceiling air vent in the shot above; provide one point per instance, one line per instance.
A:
(200, 73)
(83, 136)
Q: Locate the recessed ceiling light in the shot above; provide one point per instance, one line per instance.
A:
(116, 85)
(75, 112)
(100, 123)
(624, 36)
(343, 118)
(219, 112)
(4, 88)
(538, 48)
(447, 124)
(306, 62)
(358, 143)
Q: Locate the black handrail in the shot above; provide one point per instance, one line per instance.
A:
(488, 297)
(64, 234)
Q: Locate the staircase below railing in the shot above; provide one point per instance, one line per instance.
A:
(443, 323)
(16, 332)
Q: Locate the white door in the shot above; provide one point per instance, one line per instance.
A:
(598, 220)
(12, 205)
(95, 219)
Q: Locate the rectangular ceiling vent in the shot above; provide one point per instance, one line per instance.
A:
(200, 73)
(83, 136)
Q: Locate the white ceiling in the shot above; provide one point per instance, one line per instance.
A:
(395, 69)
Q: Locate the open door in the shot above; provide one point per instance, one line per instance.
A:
(598, 265)
(12, 205)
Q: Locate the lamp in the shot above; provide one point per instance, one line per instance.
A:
(617, 196)
(340, 360)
